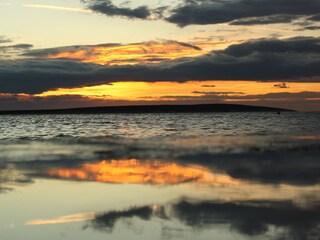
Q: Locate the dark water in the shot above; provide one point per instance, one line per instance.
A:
(160, 176)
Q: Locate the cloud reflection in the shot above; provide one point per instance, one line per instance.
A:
(135, 171)
(251, 218)
(79, 217)
(11, 176)
(293, 167)
(227, 161)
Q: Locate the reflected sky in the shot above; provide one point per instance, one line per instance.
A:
(169, 187)
(252, 218)
(131, 197)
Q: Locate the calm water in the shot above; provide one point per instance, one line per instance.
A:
(160, 176)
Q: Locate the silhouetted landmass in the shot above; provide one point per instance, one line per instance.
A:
(155, 109)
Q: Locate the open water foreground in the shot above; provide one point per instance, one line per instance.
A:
(160, 176)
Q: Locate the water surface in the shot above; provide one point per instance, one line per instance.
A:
(160, 176)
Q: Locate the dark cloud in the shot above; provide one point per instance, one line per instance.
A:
(265, 20)
(38, 75)
(295, 59)
(217, 93)
(52, 51)
(251, 218)
(202, 12)
(13, 51)
(108, 8)
(18, 46)
(281, 85)
(189, 45)
(275, 46)
(212, 12)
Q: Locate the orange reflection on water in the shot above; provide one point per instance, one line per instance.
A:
(79, 217)
(135, 171)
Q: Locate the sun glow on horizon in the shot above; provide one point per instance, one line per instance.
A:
(159, 91)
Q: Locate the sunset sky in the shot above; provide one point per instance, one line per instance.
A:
(73, 53)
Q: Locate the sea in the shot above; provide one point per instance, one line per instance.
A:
(160, 176)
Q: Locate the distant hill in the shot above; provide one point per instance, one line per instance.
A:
(154, 109)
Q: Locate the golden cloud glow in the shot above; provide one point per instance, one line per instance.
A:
(140, 53)
(142, 91)
(135, 171)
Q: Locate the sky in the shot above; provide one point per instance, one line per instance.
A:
(82, 53)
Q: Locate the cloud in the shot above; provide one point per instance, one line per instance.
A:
(203, 12)
(13, 51)
(121, 54)
(17, 46)
(72, 49)
(281, 85)
(275, 46)
(59, 8)
(295, 59)
(212, 12)
(3, 39)
(240, 95)
(38, 75)
(218, 93)
(265, 20)
(106, 7)
(188, 45)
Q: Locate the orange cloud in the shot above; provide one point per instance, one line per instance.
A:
(139, 53)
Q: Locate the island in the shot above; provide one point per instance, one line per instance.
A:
(198, 108)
